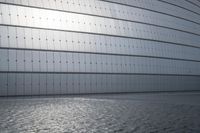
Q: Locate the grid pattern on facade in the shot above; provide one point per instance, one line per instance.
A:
(98, 46)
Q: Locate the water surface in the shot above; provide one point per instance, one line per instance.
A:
(102, 115)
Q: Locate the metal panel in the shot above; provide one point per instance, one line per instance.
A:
(20, 84)
(21, 15)
(4, 60)
(98, 83)
(52, 4)
(20, 60)
(28, 38)
(87, 63)
(11, 84)
(70, 62)
(59, 5)
(109, 62)
(104, 66)
(24, 2)
(63, 89)
(12, 60)
(87, 83)
(57, 62)
(5, 13)
(82, 62)
(3, 84)
(12, 37)
(63, 62)
(27, 84)
(85, 40)
(39, 3)
(50, 39)
(93, 83)
(56, 38)
(66, 5)
(43, 61)
(50, 84)
(63, 44)
(28, 61)
(50, 64)
(70, 85)
(35, 38)
(4, 37)
(1, 18)
(76, 79)
(48, 33)
(98, 65)
(43, 84)
(94, 62)
(35, 84)
(29, 16)
(82, 83)
(76, 62)
(42, 39)
(36, 60)
(36, 14)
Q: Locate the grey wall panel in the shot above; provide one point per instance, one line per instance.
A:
(63, 86)
(12, 33)
(121, 46)
(5, 15)
(28, 38)
(63, 59)
(3, 84)
(82, 83)
(134, 13)
(43, 84)
(20, 84)
(70, 85)
(87, 83)
(27, 84)
(4, 36)
(57, 62)
(164, 34)
(57, 83)
(11, 84)
(43, 39)
(35, 90)
(70, 62)
(50, 84)
(20, 60)
(4, 60)
(36, 61)
(43, 61)
(35, 38)
(20, 38)
(12, 60)
(76, 81)
(28, 60)
(101, 47)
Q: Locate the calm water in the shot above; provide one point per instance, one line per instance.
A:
(102, 115)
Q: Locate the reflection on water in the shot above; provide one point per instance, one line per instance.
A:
(46, 115)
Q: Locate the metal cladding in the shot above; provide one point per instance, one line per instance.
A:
(98, 46)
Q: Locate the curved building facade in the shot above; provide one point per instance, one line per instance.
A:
(98, 46)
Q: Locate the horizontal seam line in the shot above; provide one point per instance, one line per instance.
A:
(180, 7)
(193, 3)
(103, 73)
(151, 11)
(100, 53)
(92, 33)
(133, 21)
